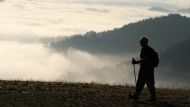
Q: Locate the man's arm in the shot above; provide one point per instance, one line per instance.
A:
(142, 59)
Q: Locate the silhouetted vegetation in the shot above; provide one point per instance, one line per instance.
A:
(118, 73)
(175, 62)
(48, 40)
(163, 32)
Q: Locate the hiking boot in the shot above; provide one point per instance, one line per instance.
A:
(151, 100)
(134, 97)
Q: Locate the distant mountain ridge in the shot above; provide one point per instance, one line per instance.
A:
(160, 9)
(162, 32)
(184, 10)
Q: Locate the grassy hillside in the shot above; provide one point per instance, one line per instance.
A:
(60, 94)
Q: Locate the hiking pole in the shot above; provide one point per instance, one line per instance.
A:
(134, 72)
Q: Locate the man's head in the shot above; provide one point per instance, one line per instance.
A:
(144, 41)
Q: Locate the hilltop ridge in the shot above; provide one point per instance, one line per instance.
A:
(165, 30)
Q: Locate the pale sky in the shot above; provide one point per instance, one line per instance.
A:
(39, 18)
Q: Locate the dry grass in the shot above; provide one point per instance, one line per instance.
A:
(60, 94)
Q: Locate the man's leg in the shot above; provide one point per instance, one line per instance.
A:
(140, 83)
(151, 85)
(139, 87)
(152, 91)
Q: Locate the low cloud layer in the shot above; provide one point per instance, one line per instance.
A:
(170, 4)
(28, 61)
(97, 10)
(33, 61)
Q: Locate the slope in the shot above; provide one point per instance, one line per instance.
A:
(162, 32)
(62, 94)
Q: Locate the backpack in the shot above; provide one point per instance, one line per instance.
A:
(154, 58)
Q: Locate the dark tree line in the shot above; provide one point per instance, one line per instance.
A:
(162, 32)
(175, 61)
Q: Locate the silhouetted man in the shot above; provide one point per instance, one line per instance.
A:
(146, 72)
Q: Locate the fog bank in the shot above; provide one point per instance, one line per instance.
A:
(26, 61)
(33, 61)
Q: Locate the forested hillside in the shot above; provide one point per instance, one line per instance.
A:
(169, 35)
(175, 62)
(162, 32)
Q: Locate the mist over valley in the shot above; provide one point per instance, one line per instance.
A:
(103, 57)
(169, 35)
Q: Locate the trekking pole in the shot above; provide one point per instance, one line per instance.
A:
(134, 72)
